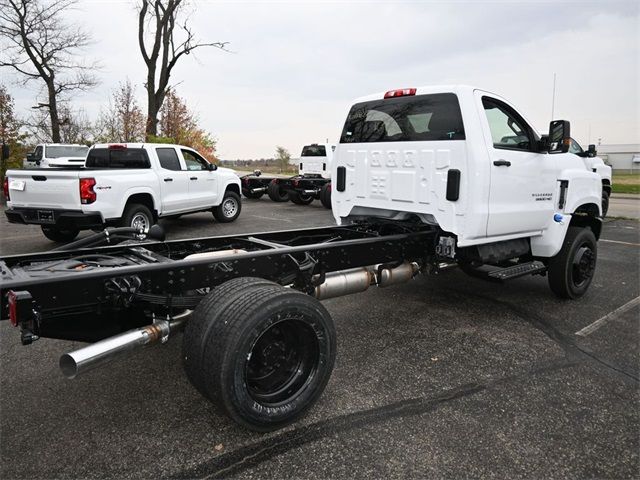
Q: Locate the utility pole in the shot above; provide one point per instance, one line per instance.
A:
(553, 97)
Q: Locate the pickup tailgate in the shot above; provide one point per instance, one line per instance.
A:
(56, 189)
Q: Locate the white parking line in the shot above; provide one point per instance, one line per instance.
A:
(589, 329)
(621, 243)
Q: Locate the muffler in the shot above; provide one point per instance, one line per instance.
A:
(74, 363)
(355, 280)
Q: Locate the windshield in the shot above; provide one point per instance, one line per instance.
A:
(411, 118)
(66, 151)
(314, 151)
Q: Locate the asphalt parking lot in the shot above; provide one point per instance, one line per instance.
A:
(446, 376)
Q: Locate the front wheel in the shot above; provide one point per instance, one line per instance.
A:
(266, 355)
(325, 196)
(253, 195)
(571, 271)
(300, 198)
(229, 209)
(605, 203)
(60, 235)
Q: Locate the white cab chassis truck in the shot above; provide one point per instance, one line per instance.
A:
(121, 185)
(56, 155)
(426, 179)
(312, 182)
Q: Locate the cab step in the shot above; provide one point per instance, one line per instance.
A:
(520, 270)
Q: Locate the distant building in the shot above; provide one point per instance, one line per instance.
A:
(624, 158)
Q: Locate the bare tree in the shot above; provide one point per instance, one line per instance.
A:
(41, 46)
(123, 120)
(162, 44)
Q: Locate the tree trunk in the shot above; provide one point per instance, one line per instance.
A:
(152, 106)
(53, 114)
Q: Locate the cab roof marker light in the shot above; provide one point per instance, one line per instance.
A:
(117, 146)
(402, 92)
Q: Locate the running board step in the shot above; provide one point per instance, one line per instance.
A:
(516, 271)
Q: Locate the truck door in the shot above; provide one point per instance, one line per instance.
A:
(174, 182)
(203, 188)
(523, 181)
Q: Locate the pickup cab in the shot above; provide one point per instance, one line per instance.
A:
(124, 185)
(468, 162)
(56, 155)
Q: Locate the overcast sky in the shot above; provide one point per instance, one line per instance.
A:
(295, 66)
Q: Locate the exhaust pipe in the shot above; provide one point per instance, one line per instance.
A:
(355, 280)
(74, 363)
(258, 190)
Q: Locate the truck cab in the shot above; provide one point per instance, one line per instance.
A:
(468, 162)
(56, 155)
(315, 160)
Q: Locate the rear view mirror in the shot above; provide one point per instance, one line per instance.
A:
(591, 151)
(559, 136)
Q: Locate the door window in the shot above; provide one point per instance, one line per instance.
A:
(194, 161)
(508, 129)
(168, 158)
(38, 153)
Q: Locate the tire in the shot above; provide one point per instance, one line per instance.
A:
(229, 209)
(60, 235)
(605, 203)
(248, 194)
(277, 193)
(137, 216)
(267, 355)
(300, 198)
(571, 271)
(325, 196)
(218, 300)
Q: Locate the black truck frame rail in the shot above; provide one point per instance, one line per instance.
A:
(90, 294)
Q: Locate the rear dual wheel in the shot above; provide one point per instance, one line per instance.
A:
(277, 193)
(325, 196)
(261, 353)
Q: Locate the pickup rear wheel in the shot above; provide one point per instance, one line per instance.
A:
(300, 198)
(61, 235)
(325, 196)
(137, 216)
(277, 193)
(571, 271)
(267, 355)
(229, 209)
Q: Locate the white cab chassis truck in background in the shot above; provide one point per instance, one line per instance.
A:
(122, 184)
(465, 160)
(425, 179)
(56, 155)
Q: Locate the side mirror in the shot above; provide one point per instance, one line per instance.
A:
(559, 136)
(5, 151)
(31, 157)
(591, 151)
(211, 167)
(257, 172)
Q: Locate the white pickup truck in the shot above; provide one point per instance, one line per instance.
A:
(56, 155)
(121, 184)
(465, 160)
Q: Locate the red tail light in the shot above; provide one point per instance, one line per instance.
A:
(12, 300)
(296, 183)
(87, 195)
(5, 188)
(403, 92)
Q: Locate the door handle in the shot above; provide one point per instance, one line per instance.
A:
(168, 179)
(193, 178)
(502, 163)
